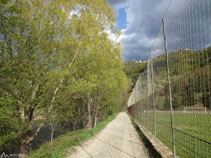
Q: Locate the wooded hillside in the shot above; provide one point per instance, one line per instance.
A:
(190, 79)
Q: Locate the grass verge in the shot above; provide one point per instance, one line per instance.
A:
(63, 145)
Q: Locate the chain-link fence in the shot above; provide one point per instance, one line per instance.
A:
(172, 98)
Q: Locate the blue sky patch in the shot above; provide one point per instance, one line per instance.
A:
(122, 19)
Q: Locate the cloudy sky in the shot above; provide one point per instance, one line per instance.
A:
(139, 22)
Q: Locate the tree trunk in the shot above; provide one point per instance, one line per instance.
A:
(74, 125)
(52, 133)
(61, 83)
(95, 123)
(54, 94)
(25, 143)
(89, 118)
(25, 147)
(96, 113)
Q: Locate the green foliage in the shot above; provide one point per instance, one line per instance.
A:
(133, 69)
(53, 64)
(9, 122)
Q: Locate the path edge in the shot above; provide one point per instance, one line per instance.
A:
(163, 150)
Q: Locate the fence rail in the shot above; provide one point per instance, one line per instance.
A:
(172, 97)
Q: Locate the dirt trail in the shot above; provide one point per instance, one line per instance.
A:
(118, 139)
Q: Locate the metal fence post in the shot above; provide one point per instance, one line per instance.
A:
(194, 140)
(153, 95)
(147, 94)
(139, 98)
(169, 86)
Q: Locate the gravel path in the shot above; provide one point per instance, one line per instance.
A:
(118, 139)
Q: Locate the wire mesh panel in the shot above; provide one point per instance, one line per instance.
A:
(172, 98)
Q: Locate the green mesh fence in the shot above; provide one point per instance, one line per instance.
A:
(172, 97)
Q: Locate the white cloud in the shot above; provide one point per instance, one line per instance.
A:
(182, 27)
(113, 37)
(144, 18)
(118, 4)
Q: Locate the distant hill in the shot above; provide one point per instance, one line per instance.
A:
(190, 79)
(133, 69)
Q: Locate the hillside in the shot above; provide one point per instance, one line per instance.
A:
(190, 79)
(133, 69)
